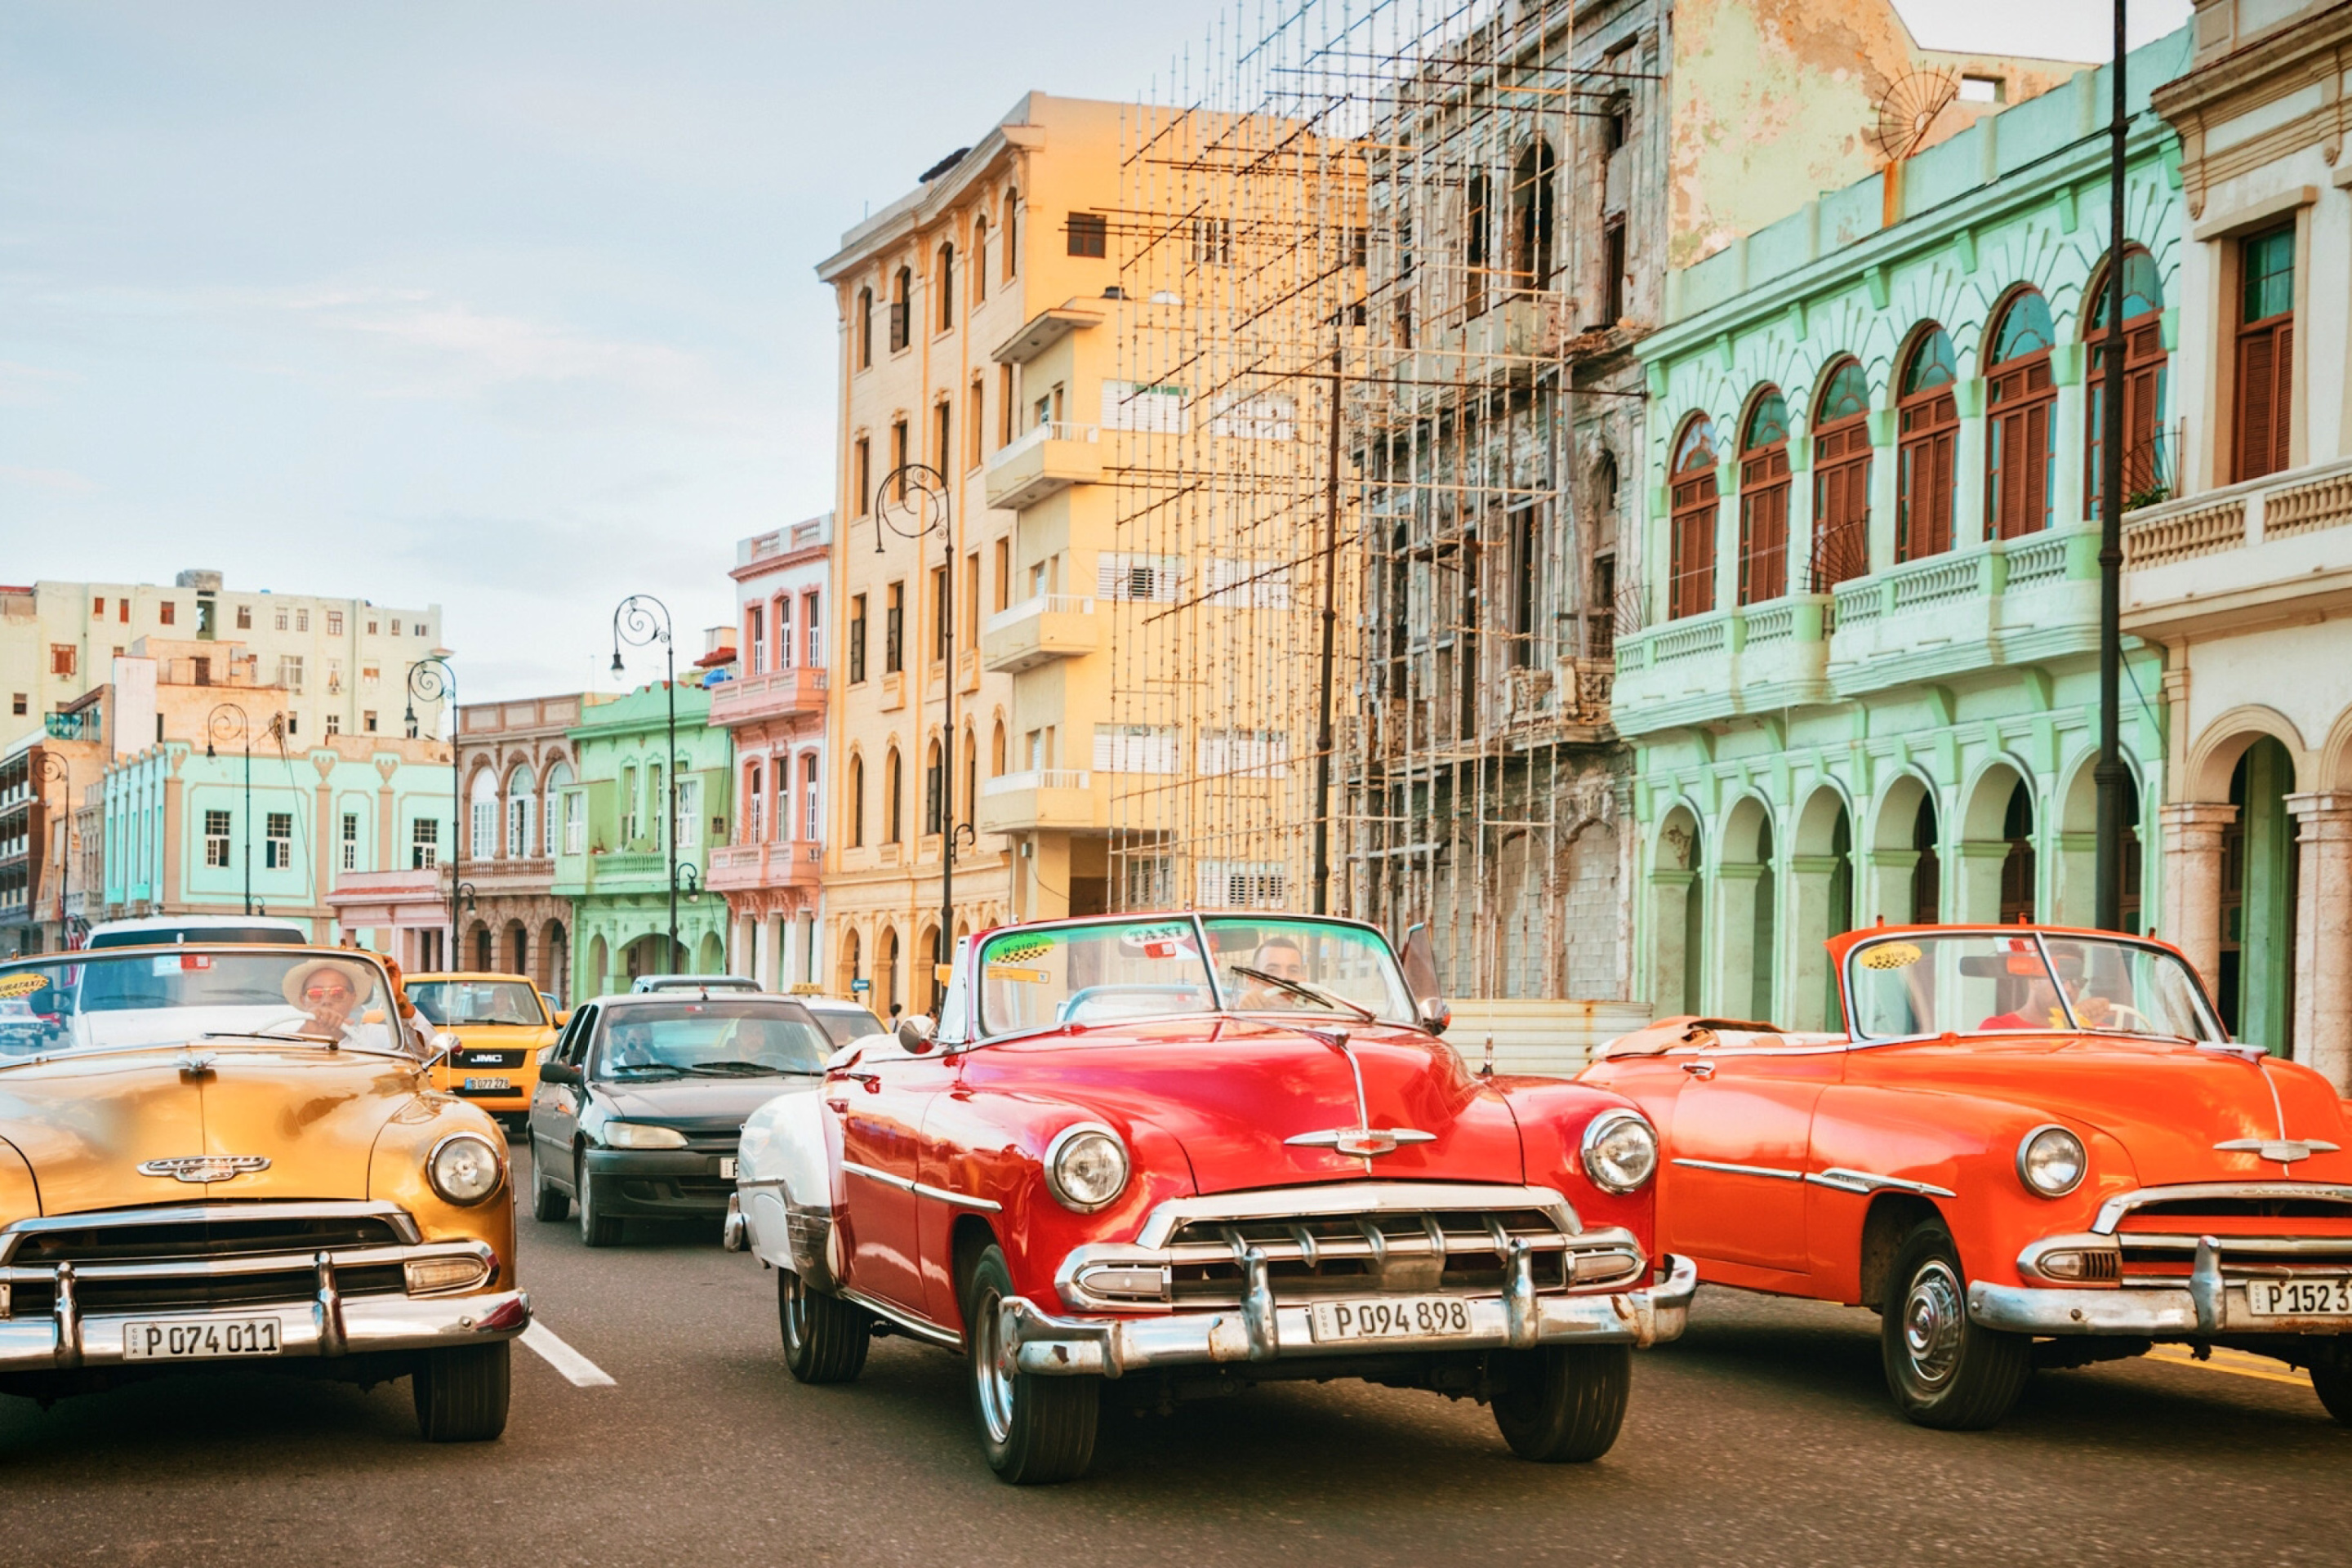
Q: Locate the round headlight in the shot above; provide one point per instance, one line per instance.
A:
(641, 1135)
(464, 1168)
(1620, 1151)
(2051, 1160)
(1086, 1166)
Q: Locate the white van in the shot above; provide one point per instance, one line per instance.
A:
(173, 930)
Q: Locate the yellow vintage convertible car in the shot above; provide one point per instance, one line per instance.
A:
(230, 1155)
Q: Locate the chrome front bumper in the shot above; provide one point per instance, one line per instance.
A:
(65, 1339)
(1261, 1331)
(2211, 1303)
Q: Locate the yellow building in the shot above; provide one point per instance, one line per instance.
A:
(926, 289)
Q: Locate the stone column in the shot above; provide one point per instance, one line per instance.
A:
(1976, 874)
(2074, 888)
(1731, 969)
(763, 951)
(2323, 935)
(1805, 1005)
(1886, 887)
(1674, 970)
(2192, 883)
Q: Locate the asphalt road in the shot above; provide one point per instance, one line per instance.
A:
(1764, 1436)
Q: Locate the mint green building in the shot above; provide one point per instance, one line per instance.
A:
(611, 844)
(1867, 684)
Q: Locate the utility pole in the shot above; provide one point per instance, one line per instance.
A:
(2109, 775)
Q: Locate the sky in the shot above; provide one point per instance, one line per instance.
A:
(504, 306)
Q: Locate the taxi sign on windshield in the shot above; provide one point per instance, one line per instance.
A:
(15, 985)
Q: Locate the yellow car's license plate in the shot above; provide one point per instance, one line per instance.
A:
(482, 1085)
(199, 1339)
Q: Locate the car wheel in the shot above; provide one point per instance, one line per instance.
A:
(1942, 1370)
(595, 1229)
(826, 1338)
(461, 1393)
(548, 1206)
(2333, 1383)
(1562, 1404)
(1033, 1429)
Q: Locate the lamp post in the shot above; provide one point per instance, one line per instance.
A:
(922, 492)
(218, 727)
(640, 620)
(53, 768)
(430, 680)
(2109, 775)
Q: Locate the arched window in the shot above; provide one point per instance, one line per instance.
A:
(482, 794)
(943, 275)
(1841, 477)
(812, 822)
(2149, 476)
(2017, 861)
(1600, 608)
(1531, 180)
(523, 813)
(562, 814)
(894, 798)
(971, 796)
(979, 259)
(755, 805)
(864, 327)
(1691, 550)
(857, 801)
(902, 285)
(1764, 498)
(2021, 443)
(997, 751)
(934, 792)
(1474, 247)
(1929, 422)
(1008, 234)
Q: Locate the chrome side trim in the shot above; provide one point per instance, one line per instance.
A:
(922, 1328)
(1777, 1175)
(961, 1200)
(12, 1235)
(1353, 1197)
(1839, 1179)
(887, 1178)
(2111, 1211)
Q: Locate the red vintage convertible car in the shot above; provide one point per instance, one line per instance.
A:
(1158, 1157)
(2034, 1148)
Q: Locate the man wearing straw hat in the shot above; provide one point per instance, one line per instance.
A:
(327, 991)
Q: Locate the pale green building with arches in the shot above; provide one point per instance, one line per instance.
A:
(1866, 685)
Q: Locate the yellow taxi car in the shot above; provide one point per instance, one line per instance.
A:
(216, 1156)
(501, 1024)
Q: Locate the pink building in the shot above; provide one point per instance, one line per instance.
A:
(775, 711)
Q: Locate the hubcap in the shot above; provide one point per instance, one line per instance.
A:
(992, 1379)
(795, 1308)
(1933, 1315)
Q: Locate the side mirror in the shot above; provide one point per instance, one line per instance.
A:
(563, 1017)
(560, 1073)
(1419, 960)
(915, 1031)
(439, 1048)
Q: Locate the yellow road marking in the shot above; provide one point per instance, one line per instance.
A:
(2238, 1364)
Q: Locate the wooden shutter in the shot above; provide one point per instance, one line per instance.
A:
(2283, 399)
(2256, 422)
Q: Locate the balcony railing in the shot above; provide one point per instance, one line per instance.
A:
(1051, 458)
(2205, 558)
(789, 863)
(1038, 630)
(776, 694)
(1036, 778)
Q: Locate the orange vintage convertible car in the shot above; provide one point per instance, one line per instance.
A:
(2034, 1148)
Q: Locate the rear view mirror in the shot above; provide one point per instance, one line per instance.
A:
(1418, 959)
(560, 1073)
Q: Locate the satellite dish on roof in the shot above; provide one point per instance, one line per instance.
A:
(1908, 111)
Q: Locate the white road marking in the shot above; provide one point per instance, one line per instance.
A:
(583, 1373)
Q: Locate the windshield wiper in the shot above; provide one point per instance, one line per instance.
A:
(740, 1069)
(638, 1071)
(1298, 988)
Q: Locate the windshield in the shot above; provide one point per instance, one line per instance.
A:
(709, 1039)
(1983, 982)
(1042, 976)
(843, 1025)
(91, 1001)
(450, 1003)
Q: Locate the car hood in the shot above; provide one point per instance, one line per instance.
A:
(1232, 1092)
(706, 1104)
(2167, 1104)
(86, 1124)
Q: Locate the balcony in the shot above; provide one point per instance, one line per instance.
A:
(2003, 602)
(2260, 552)
(1050, 626)
(1048, 460)
(779, 694)
(1049, 799)
(738, 867)
(1758, 658)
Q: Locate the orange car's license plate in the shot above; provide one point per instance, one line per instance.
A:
(199, 1339)
(1390, 1317)
(2300, 1298)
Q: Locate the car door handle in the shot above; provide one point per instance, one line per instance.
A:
(872, 1080)
(1699, 1069)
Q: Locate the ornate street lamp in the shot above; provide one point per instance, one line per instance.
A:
(640, 620)
(53, 768)
(430, 680)
(922, 495)
(226, 721)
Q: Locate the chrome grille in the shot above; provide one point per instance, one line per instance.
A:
(199, 1235)
(2264, 1227)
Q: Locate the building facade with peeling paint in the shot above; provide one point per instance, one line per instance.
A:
(1867, 682)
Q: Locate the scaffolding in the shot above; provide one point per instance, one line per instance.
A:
(1347, 370)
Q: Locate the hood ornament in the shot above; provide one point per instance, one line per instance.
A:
(2284, 1151)
(1365, 1141)
(205, 1167)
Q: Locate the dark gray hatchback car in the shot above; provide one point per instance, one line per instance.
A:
(642, 1100)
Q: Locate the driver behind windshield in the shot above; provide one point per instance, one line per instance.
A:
(327, 992)
(2039, 1008)
(1280, 957)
